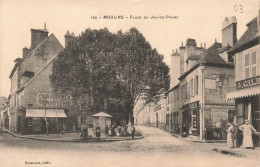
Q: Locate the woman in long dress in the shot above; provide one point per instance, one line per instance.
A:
(230, 135)
(248, 130)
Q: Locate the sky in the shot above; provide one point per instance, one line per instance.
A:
(198, 19)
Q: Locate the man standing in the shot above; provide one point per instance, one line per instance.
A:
(248, 130)
(133, 131)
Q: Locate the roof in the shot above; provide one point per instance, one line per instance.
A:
(17, 63)
(41, 70)
(101, 114)
(248, 35)
(193, 57)
(39, 45)
(209, 57)
(226, 48)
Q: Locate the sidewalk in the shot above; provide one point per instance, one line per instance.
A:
(221, 147)
(74, 137)
(191, 138)
(240, 152)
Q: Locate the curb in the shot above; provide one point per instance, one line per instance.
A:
(229, 153)
(73, 140)
(199, 141)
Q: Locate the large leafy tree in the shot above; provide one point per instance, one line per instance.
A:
(85, 68)
(102, 64)
(140, 68)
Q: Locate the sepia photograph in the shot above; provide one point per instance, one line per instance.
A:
(129, 83)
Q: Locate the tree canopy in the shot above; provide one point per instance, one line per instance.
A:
(99, 63)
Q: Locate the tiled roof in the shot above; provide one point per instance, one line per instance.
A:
(193, 57)
(249, 35)
(211, 55)
(221, 50)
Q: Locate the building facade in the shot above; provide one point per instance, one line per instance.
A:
(196, 104)
(247, 77)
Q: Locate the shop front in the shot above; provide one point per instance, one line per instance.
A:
(247, 101)
(191, 119)
(34, 121)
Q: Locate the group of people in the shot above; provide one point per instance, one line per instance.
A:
(87, 131)
(247, 130)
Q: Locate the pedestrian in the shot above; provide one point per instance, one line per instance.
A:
(230, 135)
(248, 130)
(113, 130)
(98, 132)
(82, 131)
(0, 131)
(106, 130)
(85, 129)
(133, 131)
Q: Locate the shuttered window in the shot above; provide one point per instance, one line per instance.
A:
(250, 65)
(239, 69)
(253, 63)
(247, 66)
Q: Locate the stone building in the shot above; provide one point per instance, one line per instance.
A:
(247, 76)
(196, 104)
(30, 95)
(207, 77)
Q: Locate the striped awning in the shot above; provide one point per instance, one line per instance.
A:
(50, 113)
(252, 91)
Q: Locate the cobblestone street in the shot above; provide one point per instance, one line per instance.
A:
(158, 148)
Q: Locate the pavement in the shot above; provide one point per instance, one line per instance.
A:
(222, 148)
(219, 146)
(74, 137)
(157, 148)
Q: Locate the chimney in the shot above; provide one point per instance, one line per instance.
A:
(37, 36)
(26, 51)
(229, 31)
(68, 38)
(205, 46)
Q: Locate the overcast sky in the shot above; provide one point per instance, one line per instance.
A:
(201, 20)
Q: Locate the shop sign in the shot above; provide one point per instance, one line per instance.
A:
(191, 105)
(248, 83)
(48, 99)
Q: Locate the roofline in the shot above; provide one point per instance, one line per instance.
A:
(13, 71)
(174, 87)
(40, 71)
(39, 45)
(246, 45)
(226, 65)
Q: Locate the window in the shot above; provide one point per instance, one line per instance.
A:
(191, 88)
(188, 90)
(253, 64)
(196, 85)
(247, 67)
(250, 64)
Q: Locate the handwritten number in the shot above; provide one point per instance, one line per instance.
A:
(238, 8)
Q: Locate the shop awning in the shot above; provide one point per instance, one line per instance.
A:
(101, 114)
(253, 91)
(50, 113)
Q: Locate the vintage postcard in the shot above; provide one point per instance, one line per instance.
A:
(143, 83)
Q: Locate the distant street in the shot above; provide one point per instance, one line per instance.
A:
(158, 148)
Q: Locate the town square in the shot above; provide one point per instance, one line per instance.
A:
(133, 83)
